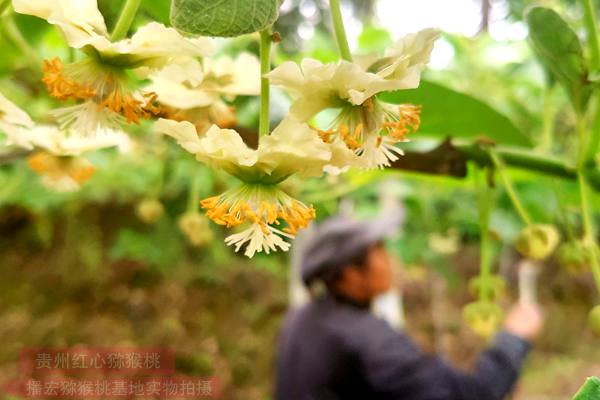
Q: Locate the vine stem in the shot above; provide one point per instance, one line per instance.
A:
(588, 227)
(512, 194)
(265, 88)
(592, 32)
(340, 30)
(125, 20)
(485, 210)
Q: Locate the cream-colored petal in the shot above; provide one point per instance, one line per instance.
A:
(14, 123)
(183, 132)
(293, 148)
(176, 86)
(61, 142)
(153, 45)
(224, 148)
(238, 77)
(78, 19)
(12, 114)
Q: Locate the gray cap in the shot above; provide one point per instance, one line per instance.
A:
(335, 242)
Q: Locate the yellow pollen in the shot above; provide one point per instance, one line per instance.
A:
(410, 114)
(117, 100)
(62, 87)
(296, 216)
(55, 167)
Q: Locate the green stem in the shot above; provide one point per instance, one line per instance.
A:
(3, 6)
(594, 142)
(589, 229)
(512, 194)
(125, 20)
(564, 215)
(340, 31)
(485, 263)
(14, 33)
(530, 161)
(265, 89)
(592, 33)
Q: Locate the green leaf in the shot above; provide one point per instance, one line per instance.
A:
(448, 113)
(560, 50)
(224, 18)
(590, 390)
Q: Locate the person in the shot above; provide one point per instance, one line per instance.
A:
(334, 348)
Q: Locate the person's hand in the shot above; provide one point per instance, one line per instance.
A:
(525, 321)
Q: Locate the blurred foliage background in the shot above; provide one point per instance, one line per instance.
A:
(110, 265)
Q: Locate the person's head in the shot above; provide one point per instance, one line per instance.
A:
(349, 257)
(366, 276)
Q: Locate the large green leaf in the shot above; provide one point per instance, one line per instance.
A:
(448, 113)
(225, 18)
(589, 391)
(560, 50)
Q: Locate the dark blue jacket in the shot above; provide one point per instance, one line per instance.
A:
(331, 349)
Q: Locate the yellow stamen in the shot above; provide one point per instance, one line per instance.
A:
(296, 216)
(62, 87)
(410, 114)
(111, 95)
(55, 167)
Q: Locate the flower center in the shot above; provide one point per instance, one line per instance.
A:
(355, 124)
(87, 80)
(260, 205)
(57, 167)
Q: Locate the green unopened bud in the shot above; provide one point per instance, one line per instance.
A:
(575, 256)
(195, 228)
(538, 241)
(495, 286)
(594, 320)
(483, 317)
(150, 210)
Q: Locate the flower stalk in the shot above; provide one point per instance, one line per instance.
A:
(592, 33)
(265, 89)
(485, 266)
(512, 194)
(340, 30)
(125, 20)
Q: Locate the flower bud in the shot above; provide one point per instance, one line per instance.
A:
(594, 320)
(483, 317)
(195, 228)
(537, 242)
(150, 210)
(575, 256)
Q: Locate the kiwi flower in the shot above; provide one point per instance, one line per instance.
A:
(58, 155)
(107, 94)
(366, 125)
(272, 215)
(195, 91)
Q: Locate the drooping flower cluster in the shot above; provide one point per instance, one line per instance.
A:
(190, 93)
(57, 152)
(364, 134)
(367, 126)
(272, 215)
(100, 83)
(194, 91)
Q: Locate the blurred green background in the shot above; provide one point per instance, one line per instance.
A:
(103, 267)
